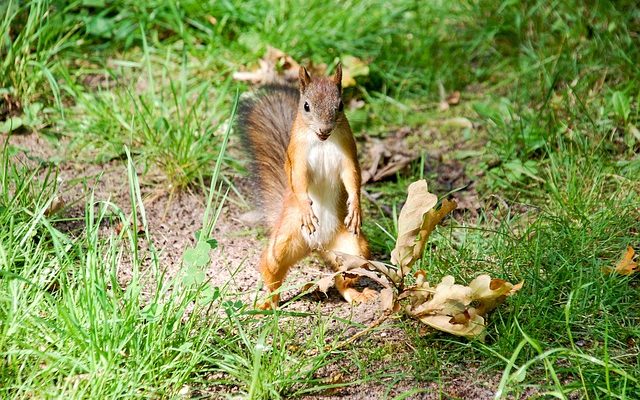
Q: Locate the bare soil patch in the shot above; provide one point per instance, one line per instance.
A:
(172, 224)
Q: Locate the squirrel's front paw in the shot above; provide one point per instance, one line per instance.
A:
(308, 220)
(353, 220)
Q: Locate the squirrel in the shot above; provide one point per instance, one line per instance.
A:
(306, 177)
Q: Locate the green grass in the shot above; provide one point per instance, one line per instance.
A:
(550, 87)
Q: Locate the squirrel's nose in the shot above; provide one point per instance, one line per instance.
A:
(325, 131)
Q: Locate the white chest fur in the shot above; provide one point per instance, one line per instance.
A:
(324, 169)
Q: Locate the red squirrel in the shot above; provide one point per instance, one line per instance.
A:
(306, 177)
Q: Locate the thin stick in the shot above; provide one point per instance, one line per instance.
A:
(363, 332)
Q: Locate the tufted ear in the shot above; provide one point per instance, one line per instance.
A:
(304, 78)
(337, 77)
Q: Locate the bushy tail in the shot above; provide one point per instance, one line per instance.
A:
(264, 124)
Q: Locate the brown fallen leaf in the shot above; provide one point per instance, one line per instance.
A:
(626, 265)
(276, 67)
(449, 307)
(449, 299)
(336, 382)
(388, 156)
(454, 98)
(473, 329)
(419, 203)
(325, 283)
(416, 222)
(56, 205)
(489, 293)
(355, 264)
(459, 309)
(446, 101)
(387, 299)
(352, 68)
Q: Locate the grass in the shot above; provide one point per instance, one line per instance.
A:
(550, 87)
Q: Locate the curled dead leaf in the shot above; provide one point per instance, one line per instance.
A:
(416, 222)
(56, 205)
(488, 293)
(456, 308)
(387, 299)
(276, 67)
(626, 265)
(454, 98)
(387, 157)
(449, 299)
(352, 68)
(362, 266)
(473, 329)
(325, 283)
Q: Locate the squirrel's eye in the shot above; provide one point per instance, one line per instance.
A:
(340, 106)
(306, 107)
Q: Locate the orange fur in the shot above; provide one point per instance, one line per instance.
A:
(318, 208)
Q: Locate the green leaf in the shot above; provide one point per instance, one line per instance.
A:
(515, 169)
(208, 295)
(100, 26)
(93, 3)
(519, 375)
(11, 124)
(621, 105)
(197, 256)
(193, 276)
(211, 241)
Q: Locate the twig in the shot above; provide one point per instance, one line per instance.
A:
(386, 210)
(366, 330)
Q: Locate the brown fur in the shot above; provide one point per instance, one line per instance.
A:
(278, 129)
(264, 124)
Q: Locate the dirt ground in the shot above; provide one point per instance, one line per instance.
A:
(172, 223)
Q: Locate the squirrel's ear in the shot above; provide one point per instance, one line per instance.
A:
(337, 77)
(304, 78)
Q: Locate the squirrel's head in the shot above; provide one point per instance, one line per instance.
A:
(321, 104)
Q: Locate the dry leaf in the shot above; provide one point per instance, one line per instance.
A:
(626, 265)
(277, 67)
(387, 299)
(361, 266)
(459, 309)
(325, 283)
(419, 203)
(56, 205)
(454, 98)
(449, 299)
(449, 307)
(488, 293)
(336, 379)
(388, 157)
(416, 222)
(473, 329)
(353, 67)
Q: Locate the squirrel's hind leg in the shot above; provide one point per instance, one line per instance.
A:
(286, 247)
(347, 242)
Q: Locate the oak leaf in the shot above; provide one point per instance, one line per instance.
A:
(626, 265)
(473, 329)
(459, 309)
(276, 67)
(353, 67)
(416, 222)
